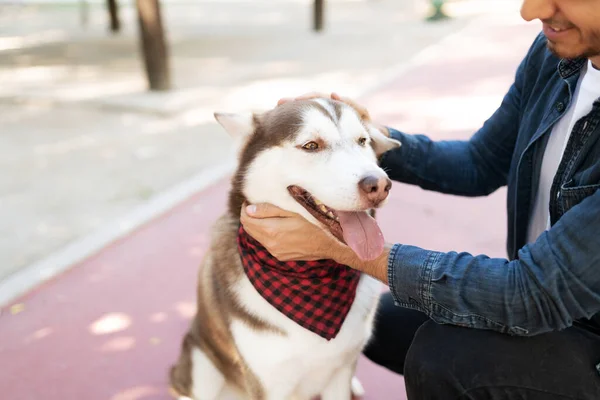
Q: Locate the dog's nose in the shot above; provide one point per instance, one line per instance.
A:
(375, 189)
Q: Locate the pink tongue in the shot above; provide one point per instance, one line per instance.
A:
(361, 233)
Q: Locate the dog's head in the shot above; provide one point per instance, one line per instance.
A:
(316, 158)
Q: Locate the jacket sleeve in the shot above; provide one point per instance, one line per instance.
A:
(553, 282)
(474, 167)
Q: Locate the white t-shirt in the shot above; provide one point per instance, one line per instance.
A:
(587, 91)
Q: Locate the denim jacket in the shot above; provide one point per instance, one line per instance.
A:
(547, 285)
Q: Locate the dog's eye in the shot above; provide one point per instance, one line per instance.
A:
(362, 141)
(311, 146)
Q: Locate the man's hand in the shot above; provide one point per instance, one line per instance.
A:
(360, 109)
(289, 236)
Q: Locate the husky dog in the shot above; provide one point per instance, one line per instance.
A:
(317, 158)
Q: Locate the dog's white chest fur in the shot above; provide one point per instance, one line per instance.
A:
(302, 364)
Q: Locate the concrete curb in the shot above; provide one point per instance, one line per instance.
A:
(75, 252)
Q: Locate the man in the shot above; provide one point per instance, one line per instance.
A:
(459, 326)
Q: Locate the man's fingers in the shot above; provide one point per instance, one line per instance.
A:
(284, 100)
(361, 110)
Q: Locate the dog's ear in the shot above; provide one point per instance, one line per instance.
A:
(380, 142)
(238, 126)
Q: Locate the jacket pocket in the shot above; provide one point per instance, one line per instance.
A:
(570, 196)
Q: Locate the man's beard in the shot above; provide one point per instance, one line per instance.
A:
(591, 51)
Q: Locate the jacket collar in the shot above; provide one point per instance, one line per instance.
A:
(568, 67)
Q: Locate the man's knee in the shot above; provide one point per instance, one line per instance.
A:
(440, 348)
(440, 362)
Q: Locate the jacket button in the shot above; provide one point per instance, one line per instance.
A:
(560, 106)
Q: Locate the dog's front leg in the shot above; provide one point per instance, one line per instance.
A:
(340, 386)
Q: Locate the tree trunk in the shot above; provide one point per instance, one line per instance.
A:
(113, 13)
(152, 41)
(318, 15)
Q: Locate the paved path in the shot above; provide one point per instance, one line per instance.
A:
(110, 327)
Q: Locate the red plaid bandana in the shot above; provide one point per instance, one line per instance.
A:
(317, 295)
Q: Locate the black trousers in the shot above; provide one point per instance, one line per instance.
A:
(447, 362)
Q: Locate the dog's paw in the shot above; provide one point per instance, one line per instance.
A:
(357, 388)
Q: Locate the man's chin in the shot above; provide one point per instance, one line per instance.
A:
(570, 52)
(562, 51)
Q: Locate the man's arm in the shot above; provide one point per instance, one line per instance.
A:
(553, 282)
(473, 167)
